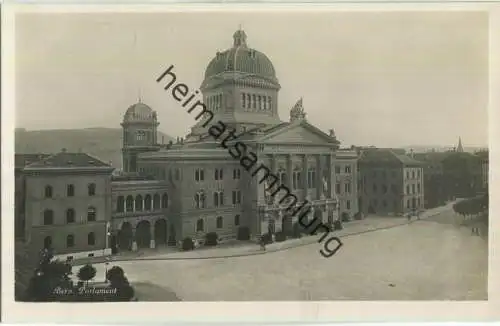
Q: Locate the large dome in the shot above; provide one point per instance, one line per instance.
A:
(139, 112)
(241, 58)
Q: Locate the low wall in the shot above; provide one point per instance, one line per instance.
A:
(84, 254)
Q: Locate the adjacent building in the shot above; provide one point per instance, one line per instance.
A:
(390, 183)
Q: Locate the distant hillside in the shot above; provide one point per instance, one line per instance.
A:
(103, 143)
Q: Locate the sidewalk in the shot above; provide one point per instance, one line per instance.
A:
(246, 248)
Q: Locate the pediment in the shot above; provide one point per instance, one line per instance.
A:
(298, 133)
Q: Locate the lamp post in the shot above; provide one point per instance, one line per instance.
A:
(106, 270)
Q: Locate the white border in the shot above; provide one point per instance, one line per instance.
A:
(142, 312)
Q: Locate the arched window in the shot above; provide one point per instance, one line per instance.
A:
(164, 201)
(199, 199)
(120, 204)
(220, 222)
(48, 217)
(70, 215)
(91, 239)
(129, 204)
(48, 191)
(91, 189)
(199, 225)
(237, 220)
(138, 203)
(70, 241)
(156, 202)
(147, 203)
(91, 214)
(70, 190)
(47, 242)
(197, 175)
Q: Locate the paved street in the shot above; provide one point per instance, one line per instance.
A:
(424, 260)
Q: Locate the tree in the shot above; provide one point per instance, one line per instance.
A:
(118, 280)
(48, 276)
(86, 273)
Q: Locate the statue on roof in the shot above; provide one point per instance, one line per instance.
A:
(332, 133)
(297, 112)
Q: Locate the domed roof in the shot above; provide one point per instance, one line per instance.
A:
(241, 58)
(139, 112)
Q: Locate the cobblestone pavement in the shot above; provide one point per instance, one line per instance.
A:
(416, 261)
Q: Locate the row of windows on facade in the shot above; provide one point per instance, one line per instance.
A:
(383, 174)
(48, 215)
(347, 188)
(70, 190)
(139, 204)
(253, 101)
(218, 198)
(347, 169)
(374, 203)
(199, 174)
(70, 240)
(214, 102)
(394, 189)
(219, 223)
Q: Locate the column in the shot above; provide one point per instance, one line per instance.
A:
(152, 243)
(329, 178)
(289, 172)
(134, 243)
(319, 177)
(304, 174)
(124, 203)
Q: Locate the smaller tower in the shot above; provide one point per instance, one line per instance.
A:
(139, 134)
(460, 148)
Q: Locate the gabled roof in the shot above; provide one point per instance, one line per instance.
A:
(68, 160)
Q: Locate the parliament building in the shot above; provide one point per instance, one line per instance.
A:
(75, 204)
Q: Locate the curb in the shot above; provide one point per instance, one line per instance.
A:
(267, 251)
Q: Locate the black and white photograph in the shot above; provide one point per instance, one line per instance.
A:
(250, 156)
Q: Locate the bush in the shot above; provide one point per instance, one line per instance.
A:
(345, 217)
(280, 236)
(243, 233)
(296, 231)
(337, 225)
(211, 239)
(266, 238)
(86, 273)
(187, 244)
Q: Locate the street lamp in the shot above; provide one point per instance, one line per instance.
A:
(106, 271)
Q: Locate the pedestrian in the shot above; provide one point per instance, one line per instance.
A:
(262, 244)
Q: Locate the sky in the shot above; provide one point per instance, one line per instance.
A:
(387, 79)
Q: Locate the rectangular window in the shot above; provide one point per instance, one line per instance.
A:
(348, 204)
(337, 188)
(337, 169)
(347, 188)
(413, 188)
(347, 169)
(70, 190)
